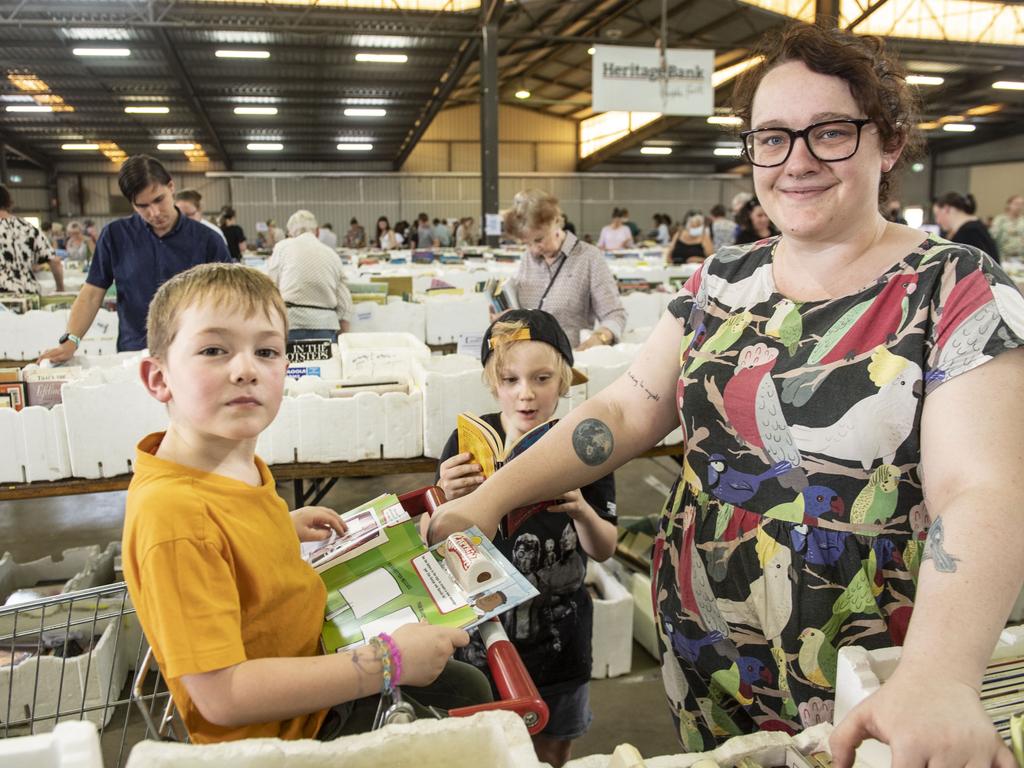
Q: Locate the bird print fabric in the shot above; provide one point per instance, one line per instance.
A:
(797, 525)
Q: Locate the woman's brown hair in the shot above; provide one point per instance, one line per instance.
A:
(876, 79)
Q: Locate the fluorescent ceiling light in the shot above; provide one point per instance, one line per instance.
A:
(121, 52)
(655, 150)
(103, 34)
(958, 127)
(382, 58)
(238, 37)
(19, 97)
(925, 80)
(175, 146)
(1009, 85)
(250, 54)
(15, 178)
(79, 147)
(356, 112)
(147, 110)
(355, 147)
(28, 108)
(728, 151)
(725, 120)
(522, 93)
(264, 146)
(255, 110)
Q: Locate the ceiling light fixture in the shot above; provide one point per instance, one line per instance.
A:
(382, 58)
(655, 150)
(725, 120)
(1009, 85)
(349, 147)
(255, 110)
(724, 75)
(591, 51)
(79, 147)
(146, 110)
(728, 151)
(250, 54)
(111, 52)
(925, 80)
(264, 146)
(959, 127)
(358, 112)
(522, 93)
(175, 147)
(27, 108)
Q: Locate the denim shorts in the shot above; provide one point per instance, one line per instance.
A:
(569, 714)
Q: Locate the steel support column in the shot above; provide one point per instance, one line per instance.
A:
(490, 11)
(3, 165)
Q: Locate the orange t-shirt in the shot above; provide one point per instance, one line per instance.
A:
(213, 569)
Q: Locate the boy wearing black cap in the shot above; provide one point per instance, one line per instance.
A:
(528, 365)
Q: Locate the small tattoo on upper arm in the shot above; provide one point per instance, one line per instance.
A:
(935, 550)
(593, 442)
(641, 385)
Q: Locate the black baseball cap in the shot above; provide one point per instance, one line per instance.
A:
(540, 326)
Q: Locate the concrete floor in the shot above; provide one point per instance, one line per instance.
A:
(626, 709)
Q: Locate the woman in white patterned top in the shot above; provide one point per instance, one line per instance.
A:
(23, 249)
(561, 274)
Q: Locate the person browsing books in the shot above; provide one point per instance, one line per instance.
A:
(844, 460)
(561, 274)
(528, 366)
(211, 553)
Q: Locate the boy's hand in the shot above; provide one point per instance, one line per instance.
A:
(459, 476)
(425, 650)
(316, 523)
(573, 504)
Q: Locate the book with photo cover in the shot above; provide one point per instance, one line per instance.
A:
(460, 582)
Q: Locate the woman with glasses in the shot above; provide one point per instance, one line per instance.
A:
(846, 465)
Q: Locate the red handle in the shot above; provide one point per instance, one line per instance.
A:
(422, 500)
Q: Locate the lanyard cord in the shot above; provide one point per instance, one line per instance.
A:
(552, 282)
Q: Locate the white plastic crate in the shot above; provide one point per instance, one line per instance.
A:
(73, 744)
(492, 739)
(612, 643)
(376, 357)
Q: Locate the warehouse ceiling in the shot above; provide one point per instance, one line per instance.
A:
(162, 56)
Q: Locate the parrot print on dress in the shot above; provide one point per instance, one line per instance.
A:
(801, 523)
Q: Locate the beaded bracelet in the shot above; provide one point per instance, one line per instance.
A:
(396, 657)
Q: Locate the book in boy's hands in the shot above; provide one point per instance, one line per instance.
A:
(484, 446)
(365, 526)
(460, 582)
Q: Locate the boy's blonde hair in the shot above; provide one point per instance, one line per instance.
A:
(229, 285)
(504, 335)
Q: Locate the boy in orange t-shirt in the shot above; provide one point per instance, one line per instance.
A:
(211, 555)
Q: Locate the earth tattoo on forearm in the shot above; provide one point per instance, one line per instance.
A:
(593, 442)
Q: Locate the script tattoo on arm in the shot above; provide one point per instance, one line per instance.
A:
(638, 383)
(593, 442)
(935, 550)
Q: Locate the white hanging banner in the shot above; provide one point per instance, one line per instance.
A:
(633, 80)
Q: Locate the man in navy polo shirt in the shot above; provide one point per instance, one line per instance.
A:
(139, 253)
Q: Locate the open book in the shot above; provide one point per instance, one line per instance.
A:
(460, 582)
(482, 442)
(501, 293)
(365, 525)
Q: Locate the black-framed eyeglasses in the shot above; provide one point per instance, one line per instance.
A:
(829, 141)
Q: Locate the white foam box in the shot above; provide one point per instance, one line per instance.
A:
(645, 631)
(25, 337)
(492, 739)
(612, 643)
(71, 566)
(643, 310)
(106, 420)
(765, 748)
(450, 385)
(860, 672)
(37, 447)
(72, 744)
(449, 316)
(394, 317)
(279, 442)
(101, 338)
(375, 357)
(365, 426)
(44, 686)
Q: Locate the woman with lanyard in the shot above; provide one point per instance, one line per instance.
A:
(561, 274)
(848, 477)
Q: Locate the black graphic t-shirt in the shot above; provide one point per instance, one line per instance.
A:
(551, 632)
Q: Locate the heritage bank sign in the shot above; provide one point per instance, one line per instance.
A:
(634, 80)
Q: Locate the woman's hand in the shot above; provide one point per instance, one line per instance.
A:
(574, 505)
(425, 650)
(316, 523)
(459, 476)
(926, 718)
